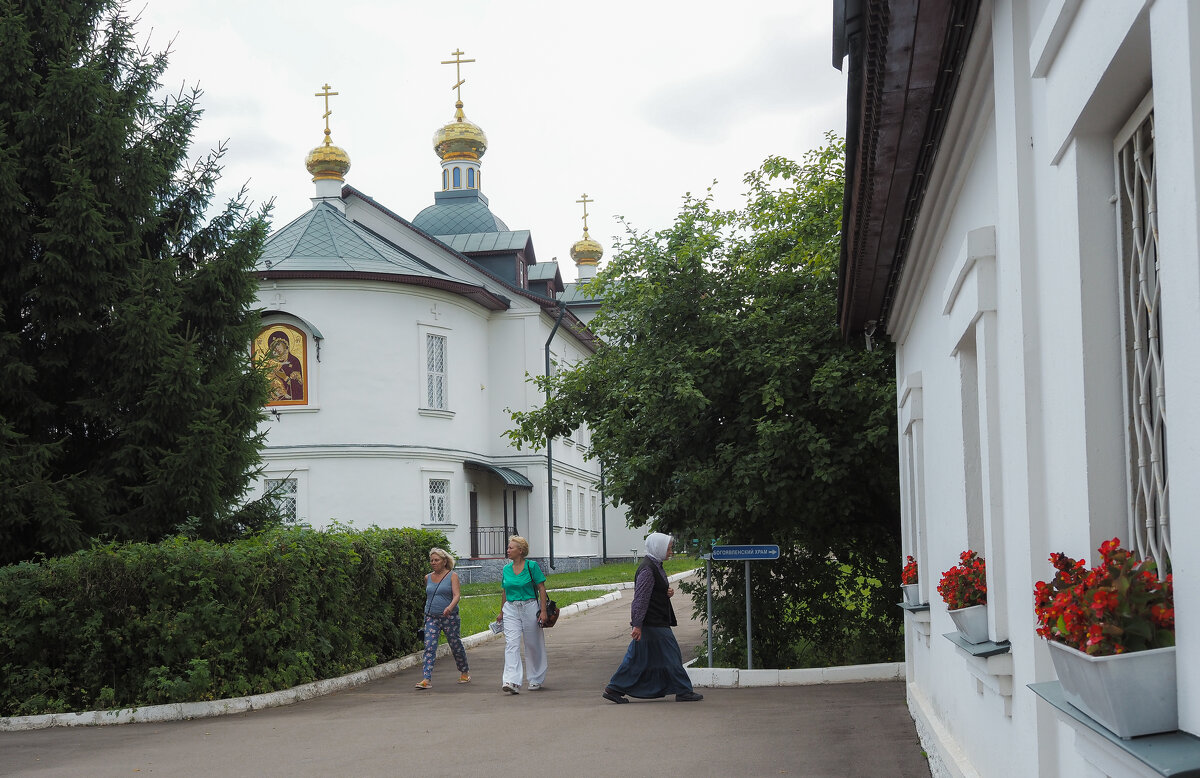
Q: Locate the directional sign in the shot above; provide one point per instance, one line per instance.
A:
(744, 553)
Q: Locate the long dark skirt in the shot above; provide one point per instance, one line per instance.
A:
(653, 666)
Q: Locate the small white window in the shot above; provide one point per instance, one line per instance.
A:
(570, 519)
(555, 503)
(439, 505)
(582, 515)
(282, 492)
(436, 396)
(595, 514)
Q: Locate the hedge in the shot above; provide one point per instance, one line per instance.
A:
(124, 625)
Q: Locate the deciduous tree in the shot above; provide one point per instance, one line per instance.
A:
(725, 404)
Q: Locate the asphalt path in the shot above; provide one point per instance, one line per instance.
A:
(388, 728)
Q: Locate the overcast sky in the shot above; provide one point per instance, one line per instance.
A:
(634, 103)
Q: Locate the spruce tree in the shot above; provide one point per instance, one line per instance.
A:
(128, 406)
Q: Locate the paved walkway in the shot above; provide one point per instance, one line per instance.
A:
(387, 728)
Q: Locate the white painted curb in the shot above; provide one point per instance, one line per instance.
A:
(203, 710)
(734, 678)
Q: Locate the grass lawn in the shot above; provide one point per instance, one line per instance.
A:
(615, 572)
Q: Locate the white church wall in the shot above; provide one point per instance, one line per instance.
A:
(1039, 464)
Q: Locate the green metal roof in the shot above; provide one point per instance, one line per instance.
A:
(458, 212)
(573, 294)
(543, 271)
(469, 242)
(507, 475)
(323, 239)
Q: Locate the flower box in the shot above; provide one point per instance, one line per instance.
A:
(971, 622)
(1130, 694)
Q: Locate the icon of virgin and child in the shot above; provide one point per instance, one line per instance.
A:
(279, 352)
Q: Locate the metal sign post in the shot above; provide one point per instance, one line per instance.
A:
(746, 554)
(708, 581)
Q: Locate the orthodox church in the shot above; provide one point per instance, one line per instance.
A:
(397, 349)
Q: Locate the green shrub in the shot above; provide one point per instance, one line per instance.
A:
(123, 625)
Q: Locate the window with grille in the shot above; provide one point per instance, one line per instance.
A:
(282, 494)
(569, 519)
(1145, 396)
(435, 372)
(439, 506)
(554, 501)
(582, 515)
(595, 514)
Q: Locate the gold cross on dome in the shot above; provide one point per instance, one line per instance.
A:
(585, 201)
(326, 94)
(457, 62)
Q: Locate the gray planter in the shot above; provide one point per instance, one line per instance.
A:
(1128, 694)
(912, 594)
(972, 623)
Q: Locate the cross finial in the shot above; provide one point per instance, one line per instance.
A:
(457, 62)
(326, 94)
(585, 201)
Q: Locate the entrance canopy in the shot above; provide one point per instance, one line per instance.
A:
(509, 476)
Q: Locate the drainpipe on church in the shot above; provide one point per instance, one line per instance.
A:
(562, 309)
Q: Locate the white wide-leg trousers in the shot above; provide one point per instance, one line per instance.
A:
(520, 620)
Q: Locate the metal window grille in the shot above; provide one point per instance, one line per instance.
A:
(557, 507)
(435, 371)
(582, 515)
(439, 508)
(570, 517)
(1145, 396)
(282, 492)
(595, 514)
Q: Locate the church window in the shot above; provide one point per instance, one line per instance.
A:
(1145, 395)
(458, 178)
(435, 372)
(445, 179)
(282, 492)
(555, 506)
(582, 516)
(470, 178)
(595, 515)
(569, 519)
(439, 505)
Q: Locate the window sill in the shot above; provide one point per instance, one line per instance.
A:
(570, 530)
(918, 616)
(284, 410)
(991, 664)
(1168, 754)
(435, 413)
(914, 608)
(445, 525)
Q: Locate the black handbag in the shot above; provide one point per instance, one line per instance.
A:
(551, 606)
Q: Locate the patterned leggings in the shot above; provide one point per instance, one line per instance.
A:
(450, 625)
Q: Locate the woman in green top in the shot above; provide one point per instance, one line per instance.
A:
(522, 609)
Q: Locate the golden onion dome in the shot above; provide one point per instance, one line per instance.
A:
(460, 139)
(586, 251)
(327, 161)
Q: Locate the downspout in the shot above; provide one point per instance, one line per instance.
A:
(603, 520)
(562, 309)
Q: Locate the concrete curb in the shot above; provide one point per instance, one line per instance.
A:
(733, 678)
(203, 710)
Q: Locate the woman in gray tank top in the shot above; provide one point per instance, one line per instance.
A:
(441, 615)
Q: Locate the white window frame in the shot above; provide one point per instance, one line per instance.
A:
(300, 476)
(424, 404)
(445, 497)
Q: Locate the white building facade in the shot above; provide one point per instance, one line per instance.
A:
(397, 356)
(1023, 201)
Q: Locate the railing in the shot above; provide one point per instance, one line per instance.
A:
(490, 541)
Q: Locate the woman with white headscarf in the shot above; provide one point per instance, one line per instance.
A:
(653, 664)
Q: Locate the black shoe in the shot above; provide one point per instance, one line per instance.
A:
(688, 697)
(613, 695)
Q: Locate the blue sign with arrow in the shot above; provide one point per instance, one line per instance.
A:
(744, 553)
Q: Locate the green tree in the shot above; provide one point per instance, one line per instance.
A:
(724, 404)
(128, 405)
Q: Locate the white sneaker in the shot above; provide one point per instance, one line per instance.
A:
(509, 688)
(533, 687)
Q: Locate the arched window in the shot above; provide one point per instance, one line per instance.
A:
(457, 178)
(470, 178)
(445, 179)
